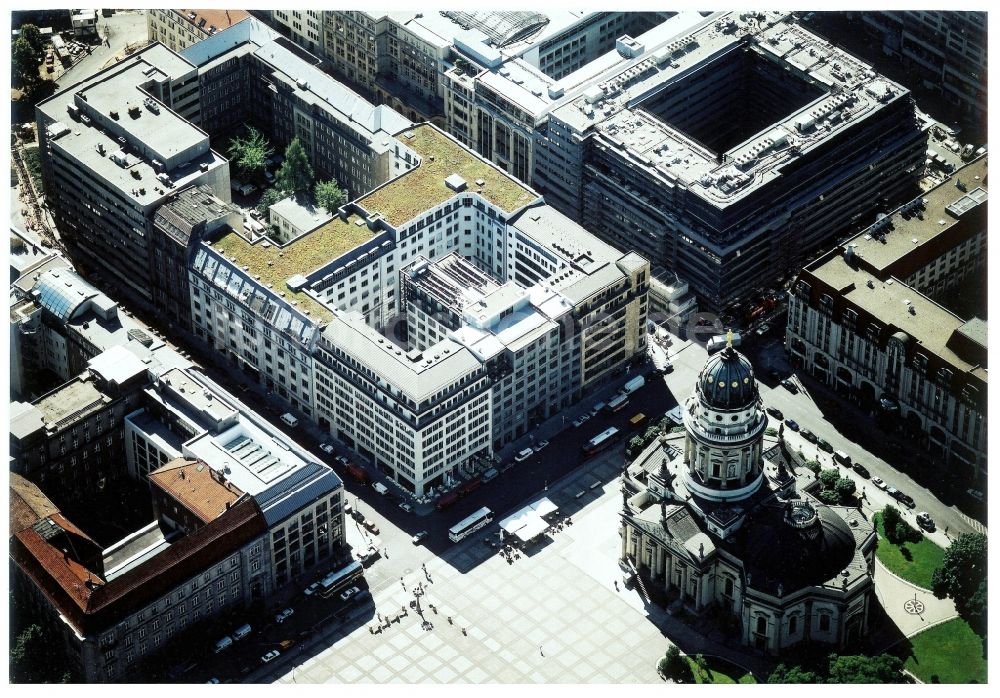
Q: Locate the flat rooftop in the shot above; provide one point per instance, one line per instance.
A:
(423, 187)
(77, 398)
(850, 91)
(906, 232)
(206, 403)
(890, 301)
(275, 264)
(452, 281)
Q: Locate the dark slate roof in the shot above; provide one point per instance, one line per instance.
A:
(776, 553)
(727, 381)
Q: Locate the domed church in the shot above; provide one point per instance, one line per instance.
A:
(714, 523)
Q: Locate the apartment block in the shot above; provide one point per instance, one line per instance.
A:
(863, 319)
(304, 27)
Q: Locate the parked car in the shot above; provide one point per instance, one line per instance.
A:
(371, 526)
(900, 496)
(341, 461)
(763, 330)
(524, 454)
(824, 445)
(879, 483)
(792, 424)
(270, 656)
(212, 680)
(269, 176)
(281, 616)
(789, 386)
(540, 445)
(348, 593)
(975, 494)
(419, 537)
(326, 448)
(808, 436)
(405, 507)
(925, 521)
(311, 589)
(578, 422)
(861, 470)
(775, 412)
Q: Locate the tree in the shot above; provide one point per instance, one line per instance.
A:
(296, 174)
(793, 674)
(828, 478)
(35, 658)
(884, 668)
(250, 154)
(269, 198)
(329, 195)
(845, 487)
(673, 665)
(962, 577)
(812, 465)
(898, 531)
(829, 497)
(25, 60)
(31, 34)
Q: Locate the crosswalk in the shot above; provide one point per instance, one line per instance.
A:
(976, 526)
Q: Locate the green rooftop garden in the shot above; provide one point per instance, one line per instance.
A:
(275, 265)
(423, 187)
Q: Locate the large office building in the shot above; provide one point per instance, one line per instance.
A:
(713, 525)
(944, 49)
(866, 319)
(728, 148)
(314, 319)
(178, 29)
(401, 58)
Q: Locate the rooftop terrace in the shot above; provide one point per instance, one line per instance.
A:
(423, 187)
(275, 265)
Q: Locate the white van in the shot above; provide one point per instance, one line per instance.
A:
(224, 643)
(490, 475)
(842, 458)
(380, 488)
(290, 419)
(241, 632)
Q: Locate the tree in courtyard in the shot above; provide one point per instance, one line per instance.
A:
(269, 198)
(897, 530)
(31, 34)
(250, 153)
(673, 666)
(296, 174)
(24, 59)
(884, 668)
(329, 195)
(792, 674)
(828, 478)
(845, 487)
(962, 577)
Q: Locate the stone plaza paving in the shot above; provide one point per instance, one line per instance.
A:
(552, 616)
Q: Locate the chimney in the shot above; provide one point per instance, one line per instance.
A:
(182, 475)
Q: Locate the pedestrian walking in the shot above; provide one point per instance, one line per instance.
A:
(541, 651)
(616, 585)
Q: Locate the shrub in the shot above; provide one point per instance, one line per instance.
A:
(770, 431)
(829, 497)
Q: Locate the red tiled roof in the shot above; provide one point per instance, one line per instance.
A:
(64, 581)
(192, 484)
(28, 504)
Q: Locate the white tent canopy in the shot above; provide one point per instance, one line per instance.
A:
(544, 507)
(525, 524)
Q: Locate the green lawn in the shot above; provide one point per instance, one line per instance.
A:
(951, 650)
(719, 671)
(914, 562)
(33, 162)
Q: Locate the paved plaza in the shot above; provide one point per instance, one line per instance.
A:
(553, 616)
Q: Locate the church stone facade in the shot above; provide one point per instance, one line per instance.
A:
(720, 524)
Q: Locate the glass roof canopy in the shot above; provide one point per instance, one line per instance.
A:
(62, 292)
(502, 28)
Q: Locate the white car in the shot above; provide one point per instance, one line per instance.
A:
(540, 445)
(524, 455)
(578, 422)
(311, 589)
(879, 483)
(405, 507)
(283, 615)
(326, 448)
(270, 656)
(419, 537)
(344, 596)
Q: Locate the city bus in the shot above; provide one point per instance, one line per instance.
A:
(473, 522)
(601, 441)
(617, 404)
(335, 581)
